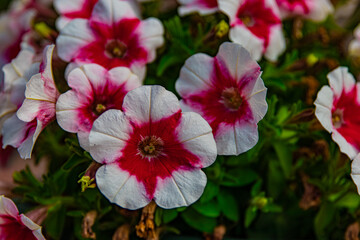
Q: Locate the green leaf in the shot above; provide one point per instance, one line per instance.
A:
(250, 215)
(169, 215)
(271, 207)
(158, 216)
(73, 161)
(75, 214)
(55, 221)
(228, 205)
(167, 61)
(256, 188)
(284, 154)
(239, 177)
(350, 200)
(211, 190)
(323, 218)
(198, 221)
(208, 209)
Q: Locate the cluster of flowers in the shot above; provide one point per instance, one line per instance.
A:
(151, 145)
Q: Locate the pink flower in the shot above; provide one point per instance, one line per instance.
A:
(338, 110)
(256, 25)
(204, 7)
(94, 90)
(151, 151)
(16, 226)
(112, 37)
(316, 10)
(38, 109)
(228, 92)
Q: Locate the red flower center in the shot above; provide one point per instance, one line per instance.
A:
(115, 49)
(151, 146)
(231, 98)
(12, 228)
(337, 118)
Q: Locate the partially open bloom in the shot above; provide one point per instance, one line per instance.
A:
(202, 6)
(316, 10)
(256, 25)
(228, 92)
(354, 46)
(15, 132)
(37, 110)
(16, 226)
(338, 110)
(112, 37)
(94, 90)
(151, 151)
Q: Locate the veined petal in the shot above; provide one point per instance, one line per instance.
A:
(107, 139)
(150, 103)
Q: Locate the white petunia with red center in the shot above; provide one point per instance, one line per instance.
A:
(228, 92)
(316, 10)
(16, 226)
(94, 91)
(36, 112)
(338, 110)
(256, 25)
(151, 151)
(203, 7)
(112, 37)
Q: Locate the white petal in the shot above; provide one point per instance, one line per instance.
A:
(190, 6)
(66, 6)
(257, 100)
(122, 75)
(236, 139)
(111, 11)
(230, 8)
(276, 44)
(109, 136)
(249, 41)
(355, 172)
(67, 111)
(236, 59)
(121, 188)
(195, 75)
(150, 103)
(73, 36)
(323, 104)
(196, 136)
(8, 207)
(344, 146)
(151, 36)
(322, 9)
(84, 142)
(182, 189)
(340, 79)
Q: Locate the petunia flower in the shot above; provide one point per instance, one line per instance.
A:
(338, 110)
(94, 90)
(256, 25)
(41, 95)
(316, 10)
(228, 92)
(151, 151)
(204, 7)
(112, 37)
(16, 226)
(15, 132)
